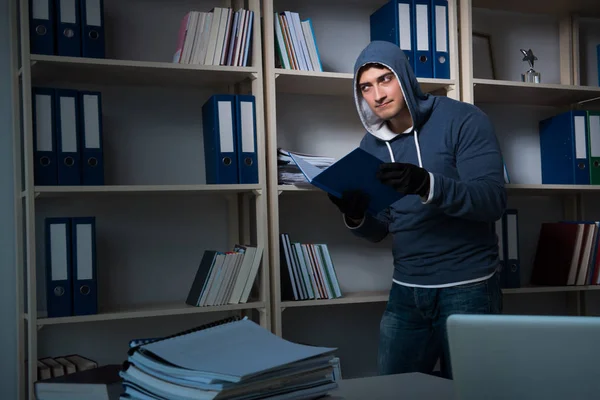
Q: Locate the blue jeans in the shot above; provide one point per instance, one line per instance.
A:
(413, 327)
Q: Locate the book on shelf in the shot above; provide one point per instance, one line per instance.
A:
(221, 36)
(567, 254)
(229, 358)
(288, 171)
(225, 277)
(307, 271)
(295, 43)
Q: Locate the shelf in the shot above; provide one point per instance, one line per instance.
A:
(333, 83)
(382, 296)
(550, 289)
(525, 189)
(148, 311)
(539, 94)
(53, 69)
(550, 189)
(348, 298)
(587, 8)
(55, 191)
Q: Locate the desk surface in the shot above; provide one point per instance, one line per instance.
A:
(402, 386)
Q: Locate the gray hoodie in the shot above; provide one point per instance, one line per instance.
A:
(449, 237)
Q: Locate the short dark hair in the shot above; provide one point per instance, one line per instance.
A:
(366, 67)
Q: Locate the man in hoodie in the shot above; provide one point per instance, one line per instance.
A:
(443, 155)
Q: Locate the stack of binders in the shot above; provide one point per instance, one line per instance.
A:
(229, 129)
(69, 28)
(420, 29)
(570, 148)
(71, 287)
(507, 234)
(228, 359)
(67, 130)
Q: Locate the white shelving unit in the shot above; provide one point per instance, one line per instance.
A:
(335, 85)
(155, 215)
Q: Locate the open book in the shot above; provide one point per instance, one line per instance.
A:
(355, 171)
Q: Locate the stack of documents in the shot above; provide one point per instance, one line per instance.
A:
(229, 359)
(290, 174)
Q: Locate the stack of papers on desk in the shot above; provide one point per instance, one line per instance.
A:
(288, 171)
(229, 360)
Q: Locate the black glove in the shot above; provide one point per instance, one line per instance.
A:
(405, 178)
(353, 204)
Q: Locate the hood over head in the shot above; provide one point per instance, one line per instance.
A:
(392, 57)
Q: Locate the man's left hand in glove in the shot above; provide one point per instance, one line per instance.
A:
(405, 178)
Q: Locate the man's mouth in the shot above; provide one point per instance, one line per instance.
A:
(384, 104)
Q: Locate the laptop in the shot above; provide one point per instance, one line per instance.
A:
(524, 357)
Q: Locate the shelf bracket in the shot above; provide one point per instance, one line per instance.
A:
(254, 76)
(40, 326)
(257, 192)
(279, 192)
(277, 76)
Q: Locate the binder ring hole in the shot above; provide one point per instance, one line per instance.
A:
(45, 161)
(40, 30)
(94, 35)
(92, 162)
(227, 160)
(442, 59)
(59, 291)
(68, 32)
(423, 59)
(248, 161)
(69, 161)
(84, 290)
(581, 165)
(596, 164)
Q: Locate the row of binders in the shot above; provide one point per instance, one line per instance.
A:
(307, 271)
(69, 28)
(225, 277)
(232, 358)
(53, 367)
(229, 131)
(420, 29)
(570, 148)
(507, 234)
(71, 279)
(567, 254)
(218, 37)
(295, 43)
(67, 130)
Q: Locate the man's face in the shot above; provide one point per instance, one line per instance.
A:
(381, 90)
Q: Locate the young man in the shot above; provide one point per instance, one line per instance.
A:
(444, 156)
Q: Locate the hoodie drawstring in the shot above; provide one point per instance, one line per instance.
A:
(416, 145)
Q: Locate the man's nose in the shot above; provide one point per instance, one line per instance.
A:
(379, 94)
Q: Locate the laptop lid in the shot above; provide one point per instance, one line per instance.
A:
(524, 357)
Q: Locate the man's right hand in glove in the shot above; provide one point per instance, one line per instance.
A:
(353, 205)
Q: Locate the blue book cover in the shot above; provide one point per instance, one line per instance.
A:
(355, 171)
